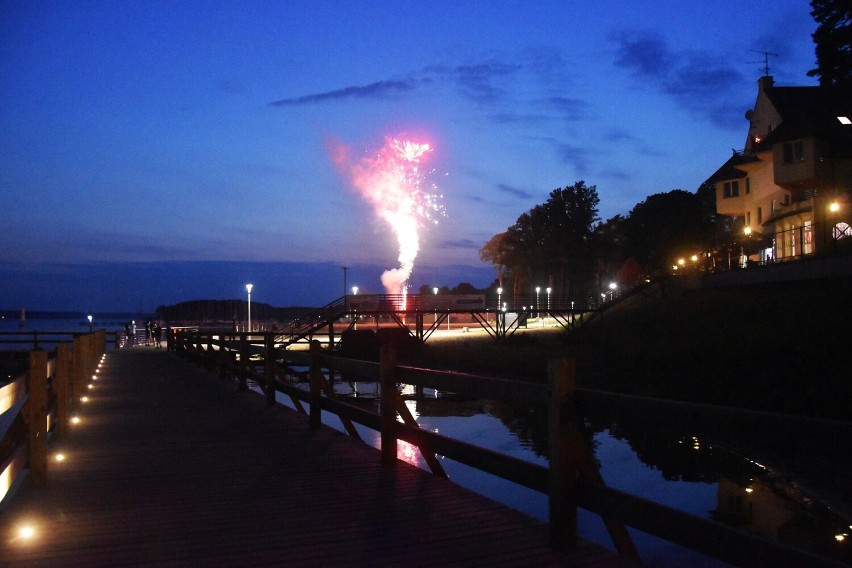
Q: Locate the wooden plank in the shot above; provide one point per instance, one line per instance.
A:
(171, 465)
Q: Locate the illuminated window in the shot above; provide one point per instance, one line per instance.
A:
(842, 230)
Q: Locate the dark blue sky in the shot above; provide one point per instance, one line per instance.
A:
(153, 152)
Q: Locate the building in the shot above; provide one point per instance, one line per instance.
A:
(791, 186)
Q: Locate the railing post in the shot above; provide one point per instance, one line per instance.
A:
(244, 362)
(269, 339)
(563, 465)
(209, 361)
(77, 368)
(387, 378)
(61, 383)
(315, 418)
(37, 416)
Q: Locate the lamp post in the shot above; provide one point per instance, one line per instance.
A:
(612, 288)
(537, 290)
(435, 291)
(91, 326)
(548, 289)
(248, 289)
(499, 297)
(747, 249)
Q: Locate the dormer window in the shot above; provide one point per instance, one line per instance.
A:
(794, 152)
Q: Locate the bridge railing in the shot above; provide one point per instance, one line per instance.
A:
(571, 480)
(40, 402)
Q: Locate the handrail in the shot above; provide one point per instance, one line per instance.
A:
(42, 397)
(578, 484)
(34, 339)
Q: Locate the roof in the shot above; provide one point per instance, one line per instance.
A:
(812, 111)
(729, 169)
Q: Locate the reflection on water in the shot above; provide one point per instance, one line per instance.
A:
(659, 463)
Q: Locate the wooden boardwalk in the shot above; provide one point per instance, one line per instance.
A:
(172, 466)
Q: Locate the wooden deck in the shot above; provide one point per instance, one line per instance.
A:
(171, 466)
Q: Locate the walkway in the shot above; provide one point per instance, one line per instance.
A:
(171, 466)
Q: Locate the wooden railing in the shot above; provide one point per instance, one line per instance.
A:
(33, 340)
(39, 403)
(572, 480)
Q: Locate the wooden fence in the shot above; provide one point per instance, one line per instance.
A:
(34, 340)
(40, 403)
(572, 480)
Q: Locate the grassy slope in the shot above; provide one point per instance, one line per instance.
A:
(783, 347)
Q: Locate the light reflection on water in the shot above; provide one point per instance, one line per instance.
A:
(686, 474)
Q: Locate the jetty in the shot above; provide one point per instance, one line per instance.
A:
(165, 464)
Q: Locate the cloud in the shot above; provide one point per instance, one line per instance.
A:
(514, 191)
(458, 244)
(379, 89)
(647, 56)
(480, 82)
(576, 156)
(702, 82)
(484, 82)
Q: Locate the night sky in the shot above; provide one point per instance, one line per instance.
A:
(155, 152)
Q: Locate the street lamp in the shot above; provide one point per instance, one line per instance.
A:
(537, 290)
(248, 289)
(833, 208)
(612, 288)
(354, 290)
(499, 297)
(548, 298)
(91, 326)
(435, 291)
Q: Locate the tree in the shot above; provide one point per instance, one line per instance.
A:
(551, 244)
(570, 216)
(665, 226)
(833, 39)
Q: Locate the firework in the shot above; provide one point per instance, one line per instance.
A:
(393, 182)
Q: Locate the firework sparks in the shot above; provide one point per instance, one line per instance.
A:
(394, 184)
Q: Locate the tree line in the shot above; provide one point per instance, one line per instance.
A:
(563, 244)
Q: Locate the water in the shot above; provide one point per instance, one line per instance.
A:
(18, 335)
(665, 466)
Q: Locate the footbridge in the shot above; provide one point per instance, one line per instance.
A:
(421, 315)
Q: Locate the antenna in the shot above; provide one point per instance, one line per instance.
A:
(765, 61)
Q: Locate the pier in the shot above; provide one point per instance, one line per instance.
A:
(170, 465)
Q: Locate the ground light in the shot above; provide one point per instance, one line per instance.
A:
(27, 532)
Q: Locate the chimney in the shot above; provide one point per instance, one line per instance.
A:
(765, 82)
